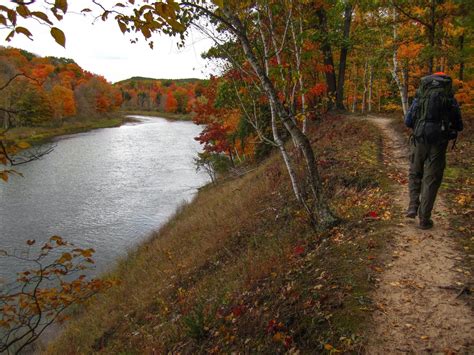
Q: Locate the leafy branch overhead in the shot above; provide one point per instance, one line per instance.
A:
(132, 16)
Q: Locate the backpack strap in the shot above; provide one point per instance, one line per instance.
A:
(454, 144)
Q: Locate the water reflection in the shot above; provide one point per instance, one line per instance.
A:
(105, 189)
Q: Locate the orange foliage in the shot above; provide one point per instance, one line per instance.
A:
(171, 102)
(54, 81)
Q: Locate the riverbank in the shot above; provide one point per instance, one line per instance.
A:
(240, 269)
(39, 135)
(167, 115)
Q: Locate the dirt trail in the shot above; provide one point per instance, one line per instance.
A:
(418, 310)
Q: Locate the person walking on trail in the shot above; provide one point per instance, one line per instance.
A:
(435, 118)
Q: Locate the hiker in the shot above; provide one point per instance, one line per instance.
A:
(435, 118)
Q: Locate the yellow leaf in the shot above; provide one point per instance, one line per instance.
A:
(4, 176)
(328, 347)
(23, 145)
(58, 36)
(65, 257)
(57, 239)
(278, 337)
(87, 252)
(218, 3)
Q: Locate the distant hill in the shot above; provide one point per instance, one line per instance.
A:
(163, 95)
(163, 81)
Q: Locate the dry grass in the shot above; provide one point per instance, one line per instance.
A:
(239, 269)
(38, 135)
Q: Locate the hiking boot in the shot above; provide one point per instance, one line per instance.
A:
(412, 212)
(425, 223)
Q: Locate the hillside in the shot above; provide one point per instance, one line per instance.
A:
(240, 268)
(168, 96)
(177, 81)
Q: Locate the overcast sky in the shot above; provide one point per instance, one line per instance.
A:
(102, 49)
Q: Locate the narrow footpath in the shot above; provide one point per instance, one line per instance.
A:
(419, 301)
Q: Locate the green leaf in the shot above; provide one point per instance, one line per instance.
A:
(58, 36)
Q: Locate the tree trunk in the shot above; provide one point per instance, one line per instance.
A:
(354, 94)
(461, 62)
(323, 215)
(364, 94)
(276, 136)
(371, 82)
(379, 97)
(431, 36)
(343, 57)
(327, 54)
(298, 52)
(396, 69)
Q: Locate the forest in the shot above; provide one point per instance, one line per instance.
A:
(160, 95)
(48, 91)
(300, 243)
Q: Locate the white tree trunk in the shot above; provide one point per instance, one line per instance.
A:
(322, 211)
(395, 70)
(364, 94)
(371, 81)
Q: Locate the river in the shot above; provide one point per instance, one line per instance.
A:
(106, 189)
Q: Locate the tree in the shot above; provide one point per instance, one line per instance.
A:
(41, 294)
(171, 102)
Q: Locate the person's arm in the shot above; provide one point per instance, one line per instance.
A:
(457, 118)
(410, 116)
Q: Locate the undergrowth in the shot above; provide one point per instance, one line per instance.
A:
(240, 270)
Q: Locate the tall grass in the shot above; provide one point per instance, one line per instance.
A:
(239, 269)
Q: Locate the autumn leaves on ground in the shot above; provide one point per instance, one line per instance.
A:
(239, 269)
(257, 262)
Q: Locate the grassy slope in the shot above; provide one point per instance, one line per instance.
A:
(167, 115)
(240, 270)
(38, 135)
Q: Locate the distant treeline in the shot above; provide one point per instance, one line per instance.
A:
(37, 91)
(164, 95)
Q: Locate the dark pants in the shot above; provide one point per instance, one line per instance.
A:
(427, 163)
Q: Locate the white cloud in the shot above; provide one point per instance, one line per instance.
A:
(102, 49)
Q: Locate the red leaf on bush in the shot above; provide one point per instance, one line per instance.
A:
(298, 250)
(372, 214)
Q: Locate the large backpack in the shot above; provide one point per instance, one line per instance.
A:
(434, 118)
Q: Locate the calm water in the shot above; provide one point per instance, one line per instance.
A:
(106, 189)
